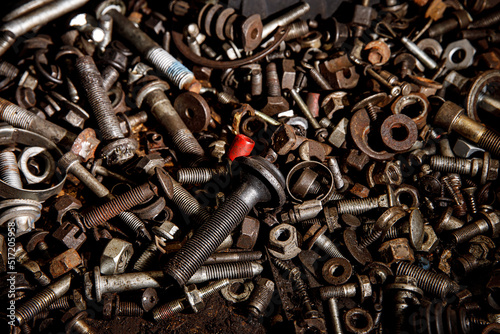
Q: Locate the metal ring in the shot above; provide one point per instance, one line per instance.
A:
(311, 164)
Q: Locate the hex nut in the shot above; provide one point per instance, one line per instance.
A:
(166, 231)
(237, 291)
(65, 203)
(396, 250)
(149, 162)
(193, 297)
(284, 242)
(64, 262)
(249, 233)
(431, 240)
(115, 257)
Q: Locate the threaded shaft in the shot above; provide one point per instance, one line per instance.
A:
(188, 205)
(211, 289)
(198, 175)
(453, 188)
(328, 247)
(225, 98)
(228, 270)
(395, 232)
(207, 238)
(471, 201)
(297, 29)
(15, 115)
(81, 327)
(129, 309)
(319, 79)
(312, 221)
(426, 280)
(233, 257)
(261, 296)
(187, 144)
(340, 291)
(35, 305)
(490, 140)
(272, 80)
(99, 102)
(109, 77)
(61, 304)
(134, 223)
(168, 310)
(288, 17)
(486, 21)
(443, 27)
(117, 205)
(357, 206)
(9, 171)
(177, 73)
(469, 231)
(256, 87)
(451, 165)
(372, 111)
(8, 70)
(145, 261)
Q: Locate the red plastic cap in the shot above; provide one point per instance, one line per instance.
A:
(242, 146)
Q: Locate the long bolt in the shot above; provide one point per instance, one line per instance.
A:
(225, 270)
(333, 306)
(321, 132)
(394, 90)
(487, 21)
(37, 17)
(328, 247)
(153, 95)
(146, 260)
(163, 61)
(265, 184)
(430, 282)
(471, 167)
(169, 309)
(9, 170)
(190, 208)
(361, 205)
(119, 149)
(199, 175)
(233, 257)
(487, 222)
(42, 300)
(452, 118)
(291, 15)
(24, 119)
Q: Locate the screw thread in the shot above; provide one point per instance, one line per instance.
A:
(490, 140)
(198, 175)
(370, 238)
(357, 206)
(395, 232)
(188, 205)
(82, 327)
(256, 87)
(469, 231)
(129, 309)
(328, 247)
(168, 310)
(61, 304)
(15, 115)
(451, 164)
(8, 70)
(453, 187)
(134, 223)
(443, 27)
(486, 21)
(261, 297)
(225, 98)
(207, 238)
(9, 170)
(233, 257)
(99, 102)
(228, 270)
(319, 79)
(294, 13)
(171, 67)
(214, 287)
(186, 143)
(297, 29)
(272, 80)
(145, 261)
(372, 111)
(32, 307)
(426, 280)
(109, 77)
(7, 39)
(339, 291)
(311, 221)
(117, 205)
(478, 321)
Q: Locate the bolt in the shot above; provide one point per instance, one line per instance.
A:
(297, 29)
(23, 258)
(261, 297)
(471, 198)
(333, 306)
(453, 185)
(405, 294)
(61, 304)
(489, 222)
(109, 77)
(163, 61)
(37, 17)
(320, 133)
(333, 165)
(169, 309)
(125, 282)
(438, 285)
(487, 21)
(262, 182)
(461, 20)
(452, 118)
(225, 270)
(188, 205)
(71, 164)
(42, 300)
(361, 205)
(152, 94)
(199, 175)
(24, 119)
(118, 149)
(9, 170)
(319, 239)
(394, 90)
(79, 325)
(487, 167)
(348, 290)
(127, 309)
(281, 21)
(448, 222)
(233, 257)
(164, 232)
(272, 80)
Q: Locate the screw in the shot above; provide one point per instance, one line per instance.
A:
(71, 164)
(452, 118)
(42, 300)
(281, 21)
(333, 165)
(261, 297)
(262, 182)
(461, 20)
(9, 170)
(487, 167)
(489, 221)
(37, 17)
(24, 119)
(487, 21)
(394, 90)
(79, 325)
(348, 290)
(471, 198)
(225, 270)
(61, 304)
(333, 306)
(119, 149)
(128, 309)
(109, 77)
(319, 239)
(152, 94)
(169, 309)
(453, 185)
(430, 282)
(361, 205)
(272, 80)
(23, 258)
(233, 257)
(320, 133)
(164, 232)
(199, 175)
(164, 62)
(316, 76)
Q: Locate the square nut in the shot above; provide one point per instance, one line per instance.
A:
(64, 262)
(396, 250)
(115, 257)
(249, 233)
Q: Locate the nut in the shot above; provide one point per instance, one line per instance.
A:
(115, 257)
(284, 242)
(249, 233)
(64, 204)
(193, 297)
(396, 250)
(64, 262)
(237, 291)
(149, 162)
(431, 240)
